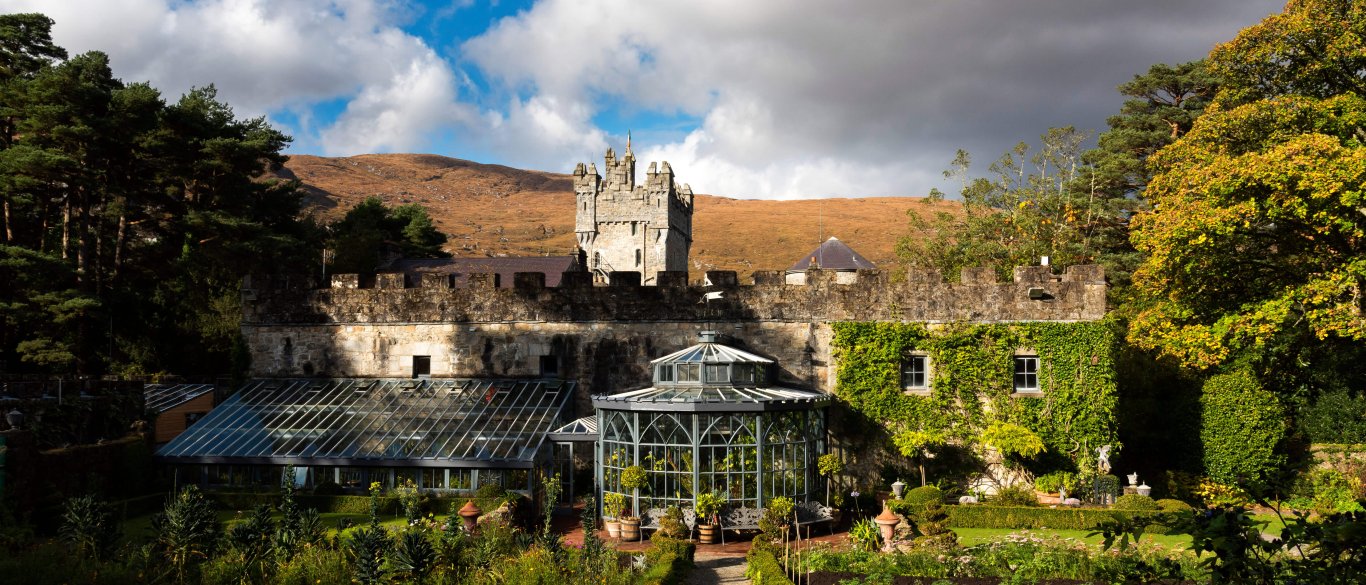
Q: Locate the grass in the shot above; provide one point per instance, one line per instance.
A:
(975, 536)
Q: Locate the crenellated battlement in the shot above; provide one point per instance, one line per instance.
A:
(1035, 293)
(628, 227)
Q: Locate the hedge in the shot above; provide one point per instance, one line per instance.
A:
(670, 561)
(763, 569)
(1241, 425)
(1011, 517)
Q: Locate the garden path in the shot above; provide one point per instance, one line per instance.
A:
(711, 570)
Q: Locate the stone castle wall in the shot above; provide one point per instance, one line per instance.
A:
(605, 336)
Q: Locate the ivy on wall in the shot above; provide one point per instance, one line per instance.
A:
(972, 384)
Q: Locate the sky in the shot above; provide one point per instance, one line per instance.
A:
(766, 99)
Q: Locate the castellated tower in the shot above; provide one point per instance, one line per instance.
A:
(627, 227)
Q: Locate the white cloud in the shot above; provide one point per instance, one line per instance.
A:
(792, 99)
(275, 56)
(853, 98)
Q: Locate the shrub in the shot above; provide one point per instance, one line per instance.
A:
(414, 556)
(1013, 440)
(1015, 495)
(187, 530)
(613, 504)
(1215, 494)
(1136, 503)
(1328, 491)
(1169, 505)
(367, 547)
(88, 526)
(923, 497)
(1241, 424)
(633, 477)
(865, 535)
(671, 525)
(1056, 481)
(763, 568)
(668, 562)
(1034, 518)
(1335, 417)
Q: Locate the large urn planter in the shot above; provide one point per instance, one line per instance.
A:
(707, 533)
(613, 527)
(470, 514)
(886, 524)
(630, 529)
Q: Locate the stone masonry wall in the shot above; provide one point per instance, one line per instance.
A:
(604, 337)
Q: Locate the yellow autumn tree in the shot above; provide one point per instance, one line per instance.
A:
(1257, 222)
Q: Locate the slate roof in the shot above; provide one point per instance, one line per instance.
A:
(832, 255)
(551, 266)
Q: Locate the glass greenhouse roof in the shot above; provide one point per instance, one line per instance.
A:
(378, 422)
(712, 399)
(711, 353)
(160, 398)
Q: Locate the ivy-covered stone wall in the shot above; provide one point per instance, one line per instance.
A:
(972, 389)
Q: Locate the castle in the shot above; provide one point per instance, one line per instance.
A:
(452, 380)
(625, 227)
(600, 327)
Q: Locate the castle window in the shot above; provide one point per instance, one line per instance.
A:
(633, 228)
(1026, 373)
(422, 366)
(638, 256)
(550, 366)
(915, 373)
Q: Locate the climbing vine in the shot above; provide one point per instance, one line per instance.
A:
(972, 384)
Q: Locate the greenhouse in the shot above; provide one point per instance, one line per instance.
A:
(712, 422)
(442, 434)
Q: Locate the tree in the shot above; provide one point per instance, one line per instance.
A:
(1255, 241)
(1022, 211)
(1164, 103)
(113, 198)
(370, 228)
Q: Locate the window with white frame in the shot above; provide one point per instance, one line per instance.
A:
(915, 373)
(1026, 373)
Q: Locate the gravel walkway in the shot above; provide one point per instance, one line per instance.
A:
(719, 569)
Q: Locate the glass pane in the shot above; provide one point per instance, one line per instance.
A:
(687, 372)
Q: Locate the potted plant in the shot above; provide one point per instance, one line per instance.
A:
(632, 478)
(708, 516)
(612, 505)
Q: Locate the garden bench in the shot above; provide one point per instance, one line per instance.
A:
(808, 514)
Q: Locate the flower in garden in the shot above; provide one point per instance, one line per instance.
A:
(853, 494)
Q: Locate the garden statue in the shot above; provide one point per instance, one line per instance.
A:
(1103, 459)
(1133, 478)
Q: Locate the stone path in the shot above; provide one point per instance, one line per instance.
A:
(710, 570)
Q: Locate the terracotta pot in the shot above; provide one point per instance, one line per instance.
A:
(613, 527)
(630, 529)
(706, 533)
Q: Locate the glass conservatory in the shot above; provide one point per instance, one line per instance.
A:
(712, 421)
(442, 434)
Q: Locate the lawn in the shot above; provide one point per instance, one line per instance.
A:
(973, 536)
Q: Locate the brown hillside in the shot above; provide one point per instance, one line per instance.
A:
(490, 210)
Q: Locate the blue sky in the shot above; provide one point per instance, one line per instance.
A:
(755, 99)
